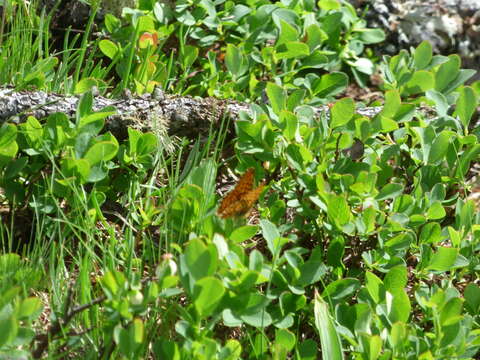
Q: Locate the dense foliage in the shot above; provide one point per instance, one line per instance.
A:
(365, 240)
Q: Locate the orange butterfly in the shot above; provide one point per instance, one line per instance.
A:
(241, 199)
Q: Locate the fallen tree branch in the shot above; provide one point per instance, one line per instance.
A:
(173, 115)
(60, 323)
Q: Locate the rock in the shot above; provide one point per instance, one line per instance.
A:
(115, 6)
(452, 26)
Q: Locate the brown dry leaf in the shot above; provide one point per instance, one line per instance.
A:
(241, 199)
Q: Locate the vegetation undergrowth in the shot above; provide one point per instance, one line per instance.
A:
(365, 240)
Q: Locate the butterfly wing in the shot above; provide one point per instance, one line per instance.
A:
(242, 206)
(245, 184)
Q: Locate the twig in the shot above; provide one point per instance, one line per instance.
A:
(57, 326)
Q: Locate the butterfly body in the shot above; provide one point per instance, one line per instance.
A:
(241, 199)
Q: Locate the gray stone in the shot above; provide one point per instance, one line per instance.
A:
(452, 26)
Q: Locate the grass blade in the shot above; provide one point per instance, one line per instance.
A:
(329, 339)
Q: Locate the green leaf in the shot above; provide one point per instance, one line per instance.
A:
(287, 33)
(190, 54)
(298, 155)
(292, 50)
(315, 60)
(9, 326)
(396, 278)
(30, 308)
(329, 5)
(384, 124)
(464, 220)
(76, 168)
(124, 339)
(147, 143)
(341, 112)
(166, 349)
(307, 350)
(315, 37)
(230, 319)
(98, 172)
(24, 338)
(311, 272)
(15, 167)
(427, 136)
(451, 312)
(38, 74)
(371, 36)
(436, 211)
(338, 210)
(207, 294)
(84, 107)
(443, 259)
(462, 77)
(8, 134)
(454, 236)
(329, 338)
(420, 82)
(466, 105)
(112, 282)
(7, 153)
(374, 287)
(468, 156)
(280, 14)
(398, 334)
(101, 152)
(271, 234)
(295, 99)
(441, 103)
(112, 23)
(231, 351)
(372, 345)
(340, 289)
(145, 24)
(431, 233)
(289, 123)
(108, 48)
(472, 298)
(336, 249)
(233, 60)
(8, 263)
(94, 122)
(33, 131)
(15, 192)
(447, 72)
(200, 262)
(137, 330)
(364, 65)
(285, 339)
(133, 138)
(277, 97)
(422, 55)
(255, 260)
(258, 319)
(243, 233)
(440, 146)
(389, 191)
(400, 306)
(84, 85)
(330, 85)
(392, 104)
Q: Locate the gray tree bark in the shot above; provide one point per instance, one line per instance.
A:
(163, 114)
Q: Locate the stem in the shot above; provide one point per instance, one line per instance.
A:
(83, 48)
(133, 41)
